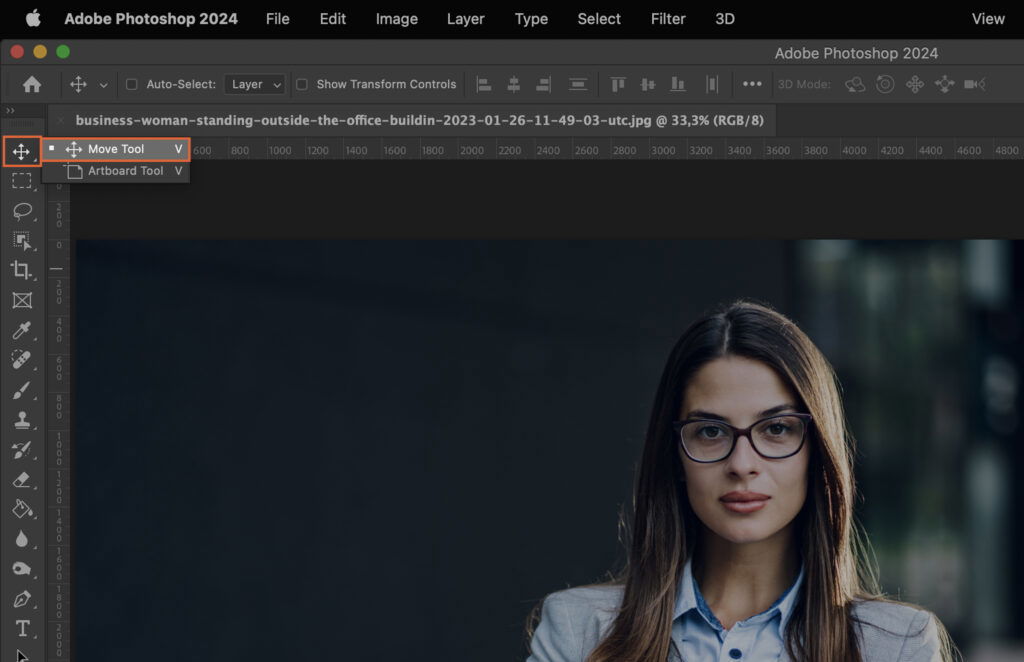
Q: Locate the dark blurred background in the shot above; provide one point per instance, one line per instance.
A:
(387, 450)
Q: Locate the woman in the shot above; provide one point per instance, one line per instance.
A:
(744, 545)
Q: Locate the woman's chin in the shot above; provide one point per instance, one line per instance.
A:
(741, 535)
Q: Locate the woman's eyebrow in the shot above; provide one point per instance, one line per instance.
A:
(700, 413)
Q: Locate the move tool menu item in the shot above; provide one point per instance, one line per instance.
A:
(149, 150)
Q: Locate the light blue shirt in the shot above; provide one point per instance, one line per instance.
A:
(702, 637)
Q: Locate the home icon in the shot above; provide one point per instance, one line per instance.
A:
(32, 85)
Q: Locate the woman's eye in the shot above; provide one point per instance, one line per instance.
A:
(711, 432)
(777, 429)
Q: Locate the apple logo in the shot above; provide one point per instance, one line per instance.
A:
(32, 18)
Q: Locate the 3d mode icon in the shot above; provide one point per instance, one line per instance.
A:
(32, 18)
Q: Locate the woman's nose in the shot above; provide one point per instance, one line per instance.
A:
(743, 459)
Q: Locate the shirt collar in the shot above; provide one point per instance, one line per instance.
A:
(688, 597)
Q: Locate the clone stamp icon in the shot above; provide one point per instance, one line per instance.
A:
(32, 18)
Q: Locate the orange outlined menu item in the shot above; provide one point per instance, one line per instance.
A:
(34, 151)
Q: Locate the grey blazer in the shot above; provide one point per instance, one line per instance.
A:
(574, 620)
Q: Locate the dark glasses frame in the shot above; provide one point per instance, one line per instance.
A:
(738, 432)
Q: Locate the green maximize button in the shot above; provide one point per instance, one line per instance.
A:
(63, 51)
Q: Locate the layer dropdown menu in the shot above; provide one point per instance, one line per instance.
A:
(255, 84)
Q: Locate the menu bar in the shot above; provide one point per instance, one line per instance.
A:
(656, 21)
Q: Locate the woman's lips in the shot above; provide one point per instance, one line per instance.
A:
(744, 502)
(745, 506)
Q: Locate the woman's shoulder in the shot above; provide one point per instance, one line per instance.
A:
(891, 630)
(890, 615)
(573, 620)
(887, 613)
(590, 608)
(588, 599)
(576, 618)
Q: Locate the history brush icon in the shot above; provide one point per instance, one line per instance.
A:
(21, 449)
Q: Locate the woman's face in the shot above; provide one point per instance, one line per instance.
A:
(740, 391)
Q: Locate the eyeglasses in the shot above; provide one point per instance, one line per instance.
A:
(776, 437)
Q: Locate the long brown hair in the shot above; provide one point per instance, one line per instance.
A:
(664, 526)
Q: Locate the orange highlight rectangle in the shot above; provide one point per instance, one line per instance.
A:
(24, 165)
(187, 158)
